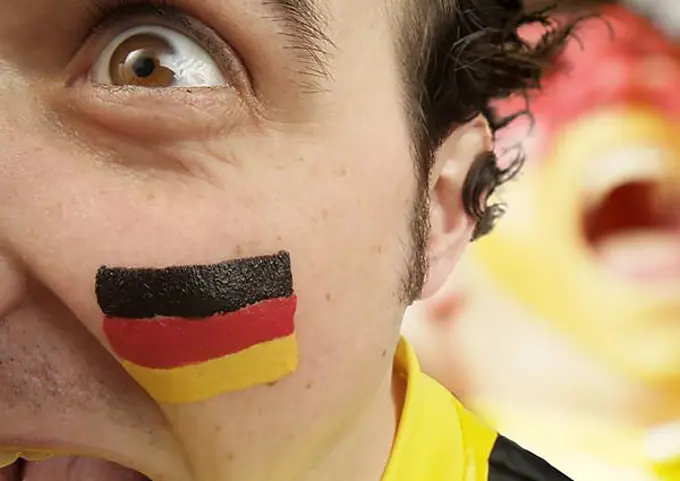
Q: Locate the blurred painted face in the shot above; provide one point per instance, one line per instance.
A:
(591, 242)
(145, 153)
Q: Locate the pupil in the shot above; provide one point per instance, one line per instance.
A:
(144, 67)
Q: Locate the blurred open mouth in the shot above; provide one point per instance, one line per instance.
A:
(632, 213)
(68, 469)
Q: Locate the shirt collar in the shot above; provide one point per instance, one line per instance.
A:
(428, 444)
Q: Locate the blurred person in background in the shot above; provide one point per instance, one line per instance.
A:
(562, 328)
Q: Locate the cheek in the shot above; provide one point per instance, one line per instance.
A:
(350, 215)
(344, 218)
(342, 208)
(66, 216)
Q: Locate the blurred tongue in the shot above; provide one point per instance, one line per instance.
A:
(78, 469)
(642, 255)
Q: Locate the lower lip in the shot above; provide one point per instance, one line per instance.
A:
(648, 257)
(38, 450)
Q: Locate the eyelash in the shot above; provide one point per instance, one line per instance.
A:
(100, 10)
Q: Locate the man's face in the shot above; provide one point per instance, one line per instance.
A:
(247, 146)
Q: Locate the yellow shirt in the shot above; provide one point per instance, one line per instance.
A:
(438, 440)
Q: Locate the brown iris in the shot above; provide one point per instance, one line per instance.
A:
(138, 61)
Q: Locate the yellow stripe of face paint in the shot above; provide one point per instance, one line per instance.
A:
(260, 364)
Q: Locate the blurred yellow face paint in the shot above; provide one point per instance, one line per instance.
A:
(539, 254)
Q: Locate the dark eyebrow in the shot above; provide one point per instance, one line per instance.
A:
(305, 25)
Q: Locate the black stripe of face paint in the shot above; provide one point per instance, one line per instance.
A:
(193, 291)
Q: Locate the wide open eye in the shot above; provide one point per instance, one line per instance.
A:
(156, 57)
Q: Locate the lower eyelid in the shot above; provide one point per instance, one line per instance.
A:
(172, 114)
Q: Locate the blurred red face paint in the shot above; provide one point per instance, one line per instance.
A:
(617, 59)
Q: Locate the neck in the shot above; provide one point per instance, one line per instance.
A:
(338, 437)
(541, 367)
(590, 448)
(363, 450)
(551, 397)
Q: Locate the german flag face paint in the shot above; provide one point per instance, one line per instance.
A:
(190, 333)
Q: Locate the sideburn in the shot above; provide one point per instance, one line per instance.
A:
(417, 261)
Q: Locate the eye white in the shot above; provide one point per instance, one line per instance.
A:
(191, 64)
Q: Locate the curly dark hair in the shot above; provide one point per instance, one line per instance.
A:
(459, 57)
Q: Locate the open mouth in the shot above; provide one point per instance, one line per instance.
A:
(632, 214)
(68, 469)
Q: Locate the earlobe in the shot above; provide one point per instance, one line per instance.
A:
(451, 228)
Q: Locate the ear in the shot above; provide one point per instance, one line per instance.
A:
(451, 228)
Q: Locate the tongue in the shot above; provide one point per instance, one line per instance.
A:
(642, 255)
(77, 469)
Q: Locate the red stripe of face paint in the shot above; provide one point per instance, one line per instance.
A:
(168, 342)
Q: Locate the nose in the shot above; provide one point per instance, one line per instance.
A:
(12, 114)
(28, 176)
(19, 118)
